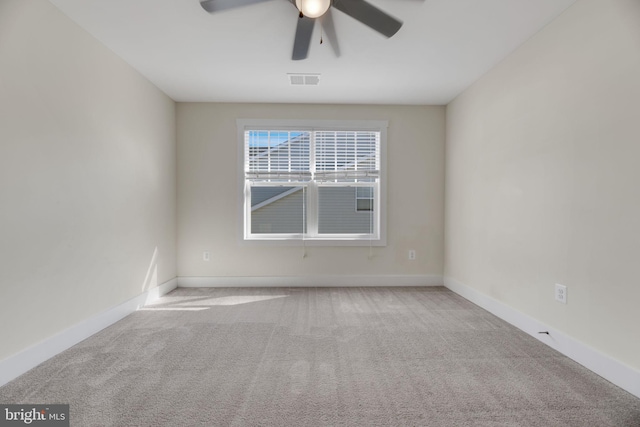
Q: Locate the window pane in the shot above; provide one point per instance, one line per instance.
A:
(277, 151)
(278, 210)
(346, 151)
(337, 212)
(364, 199)
(364, 205)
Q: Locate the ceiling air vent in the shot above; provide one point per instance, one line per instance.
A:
(304, 79)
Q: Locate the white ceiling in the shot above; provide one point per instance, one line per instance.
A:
(244, 54)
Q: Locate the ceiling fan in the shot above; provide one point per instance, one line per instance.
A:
(310, 10)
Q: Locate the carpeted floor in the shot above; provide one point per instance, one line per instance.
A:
(320, 357)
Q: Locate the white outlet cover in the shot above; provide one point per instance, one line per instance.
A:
(561, 293)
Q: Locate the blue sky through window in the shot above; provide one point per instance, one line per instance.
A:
(263, 138)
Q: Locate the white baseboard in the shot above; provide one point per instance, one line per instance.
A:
(612, 370)
(160, 290)
(310, 281)
(27, 359)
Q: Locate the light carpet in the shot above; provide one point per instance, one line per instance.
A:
(320, 357)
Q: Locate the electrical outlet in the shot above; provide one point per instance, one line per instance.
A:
(561, 293)
(206, 256)
(412, 254)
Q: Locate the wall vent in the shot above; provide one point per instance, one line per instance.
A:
(304, 79)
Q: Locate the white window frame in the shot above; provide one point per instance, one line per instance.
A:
(313, 240)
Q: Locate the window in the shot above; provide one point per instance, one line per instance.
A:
(364, 199)
(321, 182)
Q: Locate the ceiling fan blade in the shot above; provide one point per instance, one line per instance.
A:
(218, 5)
(369, 15)
(304, 30)
(330, 31)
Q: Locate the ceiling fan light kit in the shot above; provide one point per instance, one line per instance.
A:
(310, 10)
(313, 8)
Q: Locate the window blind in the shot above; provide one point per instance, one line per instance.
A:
(347, 156)
(277, 155)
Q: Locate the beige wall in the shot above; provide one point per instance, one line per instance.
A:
(542, 181)
(87, 176)
(208, 195)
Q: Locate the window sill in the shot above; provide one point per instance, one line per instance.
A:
(335, 242)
